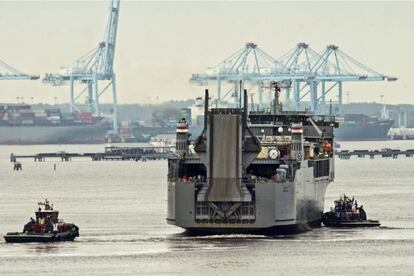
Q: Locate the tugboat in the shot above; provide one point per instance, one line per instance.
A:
(346, 213)
(46, 228)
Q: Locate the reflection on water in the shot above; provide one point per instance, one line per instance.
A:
(47, 248)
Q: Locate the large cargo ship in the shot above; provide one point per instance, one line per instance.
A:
(262, 172)
(360, 127)
(20, 124)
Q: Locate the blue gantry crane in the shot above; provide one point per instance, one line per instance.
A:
(250, 65)
(7, 72)
(308, 74)
(321, 73)
(89, 72)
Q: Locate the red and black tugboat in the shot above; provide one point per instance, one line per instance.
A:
(347, 213)
(46, 228)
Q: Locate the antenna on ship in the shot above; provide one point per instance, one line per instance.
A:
(277, 106)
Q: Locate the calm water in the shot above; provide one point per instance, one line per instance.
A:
(120, 208)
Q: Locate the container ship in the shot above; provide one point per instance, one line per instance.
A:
(20, 124)
(360, 127)
(258, 172)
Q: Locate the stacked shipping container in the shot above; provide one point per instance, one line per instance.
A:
(24, 115)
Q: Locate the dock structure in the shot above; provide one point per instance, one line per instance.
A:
(142, 153)
(386, 153)
(145, 153)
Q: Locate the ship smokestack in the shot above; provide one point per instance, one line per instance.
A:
(277, 106)
(181, 144)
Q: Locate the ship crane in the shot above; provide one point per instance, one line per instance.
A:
(7, 72)
(89, 72)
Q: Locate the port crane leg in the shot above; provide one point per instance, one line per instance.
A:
(296, 95)
(90, 97)
(260, 96)
(96, 102)
(114, 107)
(239, 97)
(270, 92)
(314, 95)
(287, 96)
(236, 93)
(399, 119)
(72, 95)
(218, 89)
(405, 119)
(323, 98)
(340, 97)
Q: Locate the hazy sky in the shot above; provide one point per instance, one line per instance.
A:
(160, 44)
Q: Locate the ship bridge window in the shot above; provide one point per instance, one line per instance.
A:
(284, 151)
(192, 170)
(320, 167)
(262, 170)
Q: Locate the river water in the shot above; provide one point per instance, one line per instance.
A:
(120, 207)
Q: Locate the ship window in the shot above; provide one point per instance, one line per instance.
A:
(297, 146)
(192, 170)
(262, 170)
(321, 168)
(205, 210)
(202, 210)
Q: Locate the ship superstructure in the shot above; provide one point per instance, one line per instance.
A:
(259, 172)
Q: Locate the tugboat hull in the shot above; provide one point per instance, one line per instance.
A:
(330, 221)
(349, 224)
(18, 237)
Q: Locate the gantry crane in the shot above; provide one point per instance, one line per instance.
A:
(320, 73)
(7, 72)
(250, 65)
(93, 68)
(302, 70)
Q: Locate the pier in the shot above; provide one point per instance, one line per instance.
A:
(142, 153)
(146, 153)
(386, 153)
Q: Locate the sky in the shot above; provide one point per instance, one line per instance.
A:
(160, 44)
